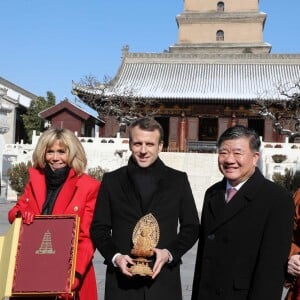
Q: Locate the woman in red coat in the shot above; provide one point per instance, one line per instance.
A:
(57, 185)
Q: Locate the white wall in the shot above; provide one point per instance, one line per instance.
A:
(202, 168)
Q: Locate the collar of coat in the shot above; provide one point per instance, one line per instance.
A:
(215, 198)
(38, 184)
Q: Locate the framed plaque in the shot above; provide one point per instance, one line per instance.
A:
(46, 256)
(8, 251)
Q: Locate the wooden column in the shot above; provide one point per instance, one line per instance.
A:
(223, 124)
(233, 121)
(268, 131)
(173, 133)
(182, 133)
(110, 128)
(192, 129)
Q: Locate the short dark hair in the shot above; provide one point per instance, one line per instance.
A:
(240, 131)
(147, 124)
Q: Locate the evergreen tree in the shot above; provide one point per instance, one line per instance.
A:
(31, 118)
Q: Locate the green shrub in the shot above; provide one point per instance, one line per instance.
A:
(97, 172)
(18, 176)
(289, 180)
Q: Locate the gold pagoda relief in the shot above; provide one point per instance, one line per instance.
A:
(145, 237)
(46, 244)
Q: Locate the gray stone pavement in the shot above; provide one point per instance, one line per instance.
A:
(187, 268)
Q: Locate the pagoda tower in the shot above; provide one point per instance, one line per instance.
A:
(227, 26)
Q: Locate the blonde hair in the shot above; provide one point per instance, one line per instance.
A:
(76, 157)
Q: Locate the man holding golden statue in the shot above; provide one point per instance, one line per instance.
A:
(145, 220)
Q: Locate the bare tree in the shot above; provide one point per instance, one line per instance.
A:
(284, 112)
(124, 105)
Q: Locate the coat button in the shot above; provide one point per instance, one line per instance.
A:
(27, 200)
(75, 208)
(211, 236)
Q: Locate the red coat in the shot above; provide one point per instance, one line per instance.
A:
(295, 247)
(77, 196)
(294, 291)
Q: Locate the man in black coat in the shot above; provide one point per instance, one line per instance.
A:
(142, 187)
(244, 241)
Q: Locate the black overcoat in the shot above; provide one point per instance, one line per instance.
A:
(116, 214)
(243, 245)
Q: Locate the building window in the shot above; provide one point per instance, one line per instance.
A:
(220, 6)
(220, 35)
(208, 129)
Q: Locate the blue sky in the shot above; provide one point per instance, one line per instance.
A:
(47, 44)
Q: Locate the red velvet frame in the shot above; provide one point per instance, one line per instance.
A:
(45, 261)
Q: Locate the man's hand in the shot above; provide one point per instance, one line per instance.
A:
(294, 265)
(122, 262)
(162, 257)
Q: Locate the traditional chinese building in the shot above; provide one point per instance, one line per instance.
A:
(71, 116)
(209, 80)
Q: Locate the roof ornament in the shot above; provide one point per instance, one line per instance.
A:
(101, 88)
(4, 107)
(3, 92)
(125, 50)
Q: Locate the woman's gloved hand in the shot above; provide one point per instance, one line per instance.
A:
(66, 297)
(27, 216)
(75, 285)
(74, 288)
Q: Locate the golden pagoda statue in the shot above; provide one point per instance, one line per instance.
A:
(145, 237)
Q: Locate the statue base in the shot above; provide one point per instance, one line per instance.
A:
(141, 267)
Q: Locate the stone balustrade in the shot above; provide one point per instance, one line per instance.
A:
(202, 168)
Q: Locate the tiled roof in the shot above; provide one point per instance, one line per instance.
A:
(198, 78)
(66, 105)
(17, 88)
